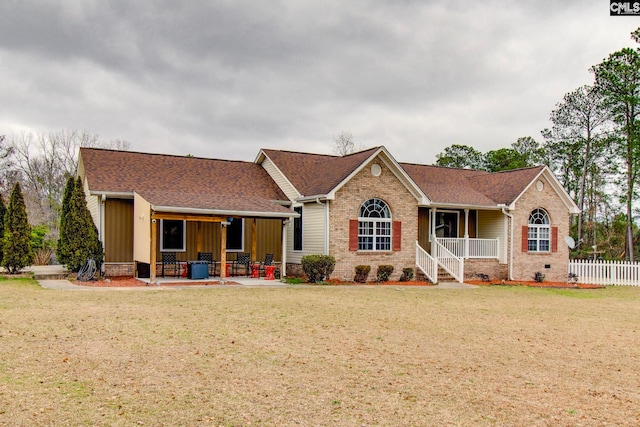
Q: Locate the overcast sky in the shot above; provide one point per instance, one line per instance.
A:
(223, 79)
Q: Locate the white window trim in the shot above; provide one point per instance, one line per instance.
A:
(184, 237)
(375, 236)
(241, 238)
(538, 228)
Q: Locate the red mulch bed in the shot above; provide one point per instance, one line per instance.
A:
(534, 284)
(128, 282)
(131, 282)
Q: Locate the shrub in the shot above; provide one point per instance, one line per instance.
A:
(384, 272)
(318, 267)
(538, 277)
(407, 274)
(3, 209)
(362, 272)
(83, 242)
(17, 252)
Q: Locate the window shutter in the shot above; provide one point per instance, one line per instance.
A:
(397, 236)
(525, 238)
(554, 239)
(353, 234)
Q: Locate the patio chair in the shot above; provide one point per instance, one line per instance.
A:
(268, 260)
(170, 259)
(208, 256)
(242, 259)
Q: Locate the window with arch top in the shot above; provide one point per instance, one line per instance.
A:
(539, 231)
(374, 226)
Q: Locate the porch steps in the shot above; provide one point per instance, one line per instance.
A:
(444, 276)
(52, 276)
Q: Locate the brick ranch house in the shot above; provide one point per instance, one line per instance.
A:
(364, 209)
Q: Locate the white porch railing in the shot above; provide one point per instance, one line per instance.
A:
(471, 248)
(605, 272)
(426, 263)
(448, 260)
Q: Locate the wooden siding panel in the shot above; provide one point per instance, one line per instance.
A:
(423, 228)
(118, 227)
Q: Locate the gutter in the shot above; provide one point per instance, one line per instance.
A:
(510, 216)
(175, 209)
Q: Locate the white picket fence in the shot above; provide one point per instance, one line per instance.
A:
(605, 272)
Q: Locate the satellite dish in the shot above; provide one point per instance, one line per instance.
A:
(570, 242)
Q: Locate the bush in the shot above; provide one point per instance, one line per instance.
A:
(407, 274)
(318, 267)
(538, 277)
(17, 252)
(362, 272)
(384, 272)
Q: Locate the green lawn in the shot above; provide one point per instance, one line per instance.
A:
(319, 355)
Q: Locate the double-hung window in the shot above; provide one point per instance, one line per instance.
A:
(374, 226)
(539, 238)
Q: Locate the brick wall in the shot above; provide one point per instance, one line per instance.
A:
(492, 268)
(346, 206)
(113, 269)
(552, 264)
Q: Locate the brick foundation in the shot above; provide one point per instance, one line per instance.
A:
(491, 268)
(113, 269)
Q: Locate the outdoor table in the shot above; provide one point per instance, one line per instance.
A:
(270, 272)
(255, 271)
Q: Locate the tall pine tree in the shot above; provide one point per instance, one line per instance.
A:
(63, 241)
(82, 235)
(3, 209)
(16, 247)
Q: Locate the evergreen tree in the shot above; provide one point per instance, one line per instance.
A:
(17, 252)
(3, 209)
(82, 235)
(63, 240)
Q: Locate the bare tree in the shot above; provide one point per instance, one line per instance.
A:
(344, 144)
(44, 162)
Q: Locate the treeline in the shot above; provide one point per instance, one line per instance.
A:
(593, 147)
(42, 164)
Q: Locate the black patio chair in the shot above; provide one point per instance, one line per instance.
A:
(268, 260)
(242, 260)
(170, 259)
(208, 256)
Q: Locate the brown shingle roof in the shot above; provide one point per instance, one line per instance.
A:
(189, 182)
(316, 174)
(470, 187)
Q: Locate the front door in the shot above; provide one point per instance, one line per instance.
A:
(447, 224)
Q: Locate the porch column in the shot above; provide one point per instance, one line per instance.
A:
(223, 250)
(198, 236)
(153, 258)
(432, 231)
(283, 267)
(254, 240)
(466, 233)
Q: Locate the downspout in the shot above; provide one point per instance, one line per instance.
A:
(510, 216)
(102, 202)
(326, 225)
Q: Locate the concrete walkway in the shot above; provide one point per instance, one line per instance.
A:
(47, 277)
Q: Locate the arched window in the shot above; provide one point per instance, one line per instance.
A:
(539, 238)
(374, 226)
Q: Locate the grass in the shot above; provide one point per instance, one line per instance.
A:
(319, 355)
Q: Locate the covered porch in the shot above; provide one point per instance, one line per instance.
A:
(447, 236)
(192, 235)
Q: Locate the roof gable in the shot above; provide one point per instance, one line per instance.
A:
(316, 174)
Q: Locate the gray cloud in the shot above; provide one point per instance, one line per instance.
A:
(224, 78)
